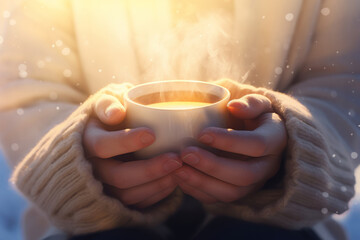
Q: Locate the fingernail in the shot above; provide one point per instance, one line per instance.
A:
(147, 138)
(237, 104)
(182, 174)
(111, 111)
(206, 138)
(171, 165)
(191, 159)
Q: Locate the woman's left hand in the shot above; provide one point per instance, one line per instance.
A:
(257, 148)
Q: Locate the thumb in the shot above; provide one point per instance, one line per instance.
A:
(250, 106)
(109, 110)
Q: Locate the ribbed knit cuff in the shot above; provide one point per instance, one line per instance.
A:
(57, 178)
(314, 184)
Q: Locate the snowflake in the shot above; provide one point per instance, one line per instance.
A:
(58, 43)
(6, 14)
(289, 17)
(23, 74)
(325, 11)
(351, 113)
(324, 210)
(354, 155)
(15, 147)
(343, 189)
(325, 194)
(65, 51)
(20, 111)
(22, 67)
(278, 70)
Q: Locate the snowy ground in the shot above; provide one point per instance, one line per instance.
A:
(12, 205)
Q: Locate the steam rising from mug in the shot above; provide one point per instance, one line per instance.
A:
(186, 107)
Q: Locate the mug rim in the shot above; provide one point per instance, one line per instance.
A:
(225, 96)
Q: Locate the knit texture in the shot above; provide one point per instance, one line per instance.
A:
(314, 185)
(58, 179)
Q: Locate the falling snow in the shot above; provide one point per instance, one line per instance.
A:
(351, 113)
(6, 14)
(20, 111)
(65, 51)
(354, 155)
(22, 67)
(278, 70)
(57, 108)
(325, 194)
(325, 11)
(14, 147)
(22, 70)
(23, 74)
(343, 189)
(289, 17)
(324, 210)
(58, 43)
(334, 155)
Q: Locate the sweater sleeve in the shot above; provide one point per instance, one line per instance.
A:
(58, 179)
(44, 107)
(321, 115)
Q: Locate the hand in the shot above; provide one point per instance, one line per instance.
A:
(138, 183)
(258, 148)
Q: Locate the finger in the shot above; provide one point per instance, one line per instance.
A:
(105, 144)
(142, 192)
(211, 186)
(233, 171)
(197, 194)
(250, 106)
(155, 198)
(268, 138)
(109, 110)
(126, 175)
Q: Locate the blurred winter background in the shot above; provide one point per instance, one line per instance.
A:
(12, 205)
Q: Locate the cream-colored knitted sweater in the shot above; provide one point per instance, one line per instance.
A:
(58, 57)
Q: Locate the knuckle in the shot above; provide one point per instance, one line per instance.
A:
(98, 148)
(261, 145)
(164, 183)
(211, 168)
(119, 181)
(151, 173)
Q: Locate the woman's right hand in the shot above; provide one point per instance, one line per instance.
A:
(139, 183)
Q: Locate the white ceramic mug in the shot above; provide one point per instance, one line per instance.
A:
(176, 110)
